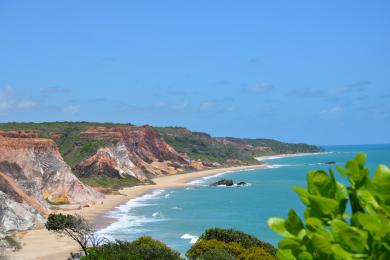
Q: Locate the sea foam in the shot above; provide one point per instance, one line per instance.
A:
(280, 156)
(190, 237)
(128, 222)
(205, 179)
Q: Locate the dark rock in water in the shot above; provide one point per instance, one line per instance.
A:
(330, 162)
(224, 182)
(241, 183)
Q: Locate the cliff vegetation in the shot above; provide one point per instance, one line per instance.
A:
(227, 150)
(197, 145)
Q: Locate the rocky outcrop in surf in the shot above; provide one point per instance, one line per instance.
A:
(228, 183)
(223, 182)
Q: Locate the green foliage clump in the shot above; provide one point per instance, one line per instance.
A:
(73, 226)
(74, 149)
(54, 203)
(201, 248)
(227, 150)
(57, 222)
(231, 235)
(201, 146)
(144, 248)
(256, 253)
(275, 146)
(216, 253)
(230, 244)
(340, 222)
(12, 242)
(110, 182)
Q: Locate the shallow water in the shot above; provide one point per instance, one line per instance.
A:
(178, 216)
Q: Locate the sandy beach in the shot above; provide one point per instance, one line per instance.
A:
(43, 245)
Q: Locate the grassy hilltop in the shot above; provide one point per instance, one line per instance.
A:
(226, 151)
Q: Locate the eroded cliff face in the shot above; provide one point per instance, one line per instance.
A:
(139, 152)
(33, 172)
(111, 161)
(17, 216)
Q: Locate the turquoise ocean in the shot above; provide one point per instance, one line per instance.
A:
(178, 216)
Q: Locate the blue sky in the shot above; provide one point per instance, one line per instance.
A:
(299, 71)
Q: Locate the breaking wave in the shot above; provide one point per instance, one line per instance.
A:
(130, 223)
(190, 237)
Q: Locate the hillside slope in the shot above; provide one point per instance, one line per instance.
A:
(79, 141)
(227, 150)
(109, 155)
(32, 171)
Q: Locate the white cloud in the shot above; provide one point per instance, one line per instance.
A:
(11, 103)
(71, 110)
(332, 111)
(207, 105)
(26, 104)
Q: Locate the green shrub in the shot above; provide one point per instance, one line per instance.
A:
(219, 254)
(144, 248)
(329, 230)
(256, 253)
(12, 242)
(231, 235)
(54, 203)
(110, 182)
(215, 249)
(202, 247)
(74, 226)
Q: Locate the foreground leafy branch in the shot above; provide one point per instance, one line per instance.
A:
(340, 222)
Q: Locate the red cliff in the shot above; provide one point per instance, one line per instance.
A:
(139, 152)
(32, 171)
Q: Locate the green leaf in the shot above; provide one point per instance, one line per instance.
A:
(360, 158)
(382, 176)
(381, 187)
(322, 207)
(353, 171)
(285, 255)
(305, 256)
(322, 244)
(340, 253)
(313, 224)
(278, 225)
(367, 222)
(303, 195)
(350, 238)
(366, 199)
(341, 170)
(289, 243)
(293, 223)
(384, 256)
(319, 183)
(342, 197)
(341, 191)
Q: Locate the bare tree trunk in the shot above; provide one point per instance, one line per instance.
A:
(84, 249)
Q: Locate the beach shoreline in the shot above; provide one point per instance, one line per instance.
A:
(41, 244)
(281, 156)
